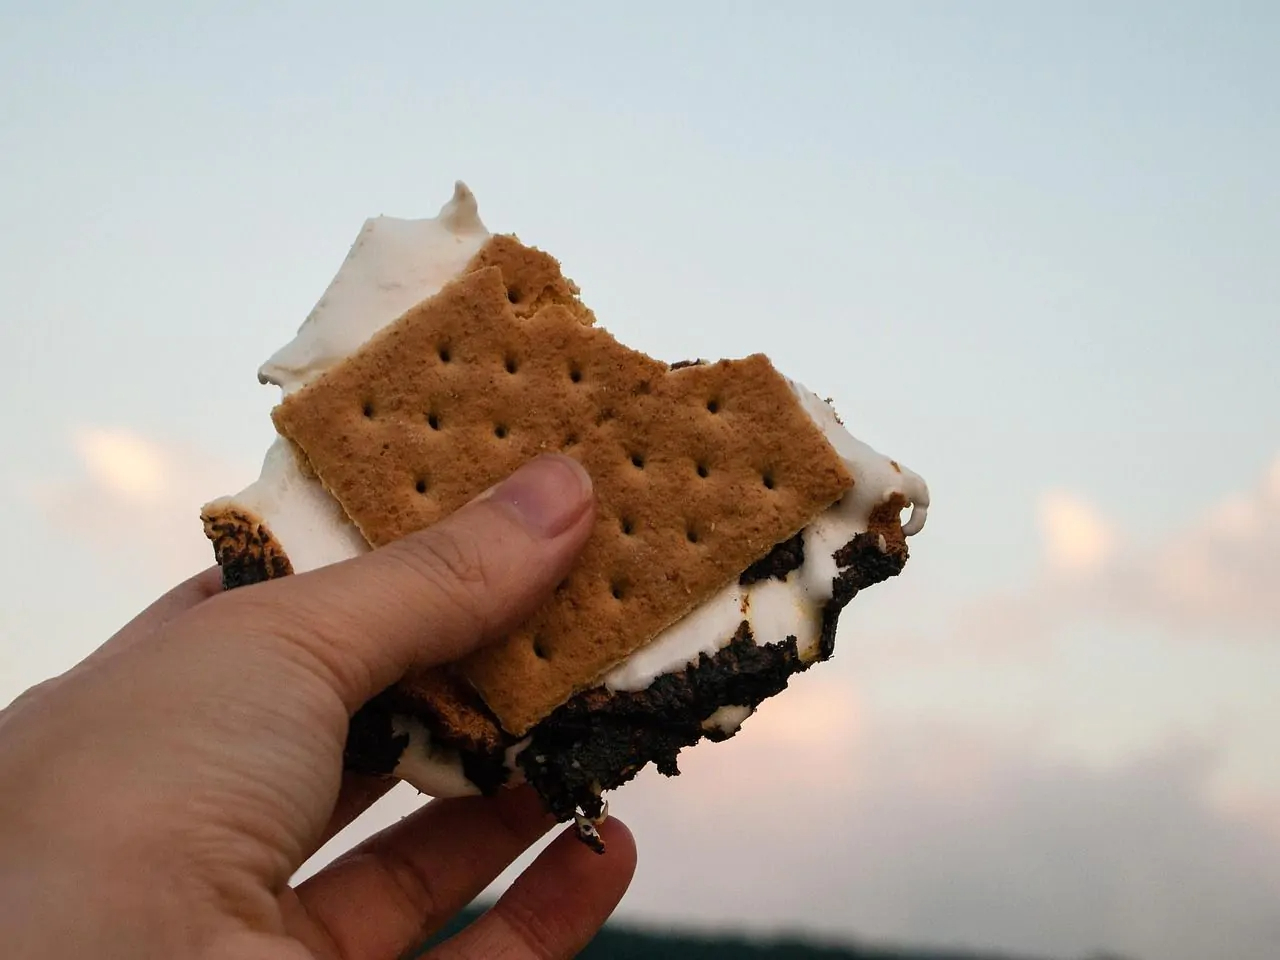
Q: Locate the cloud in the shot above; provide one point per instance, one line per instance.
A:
(926, 832)
(1217, 576)
(903, 830)
(1076, 538)
(123, 463)
(137, 500)
(1224, 568)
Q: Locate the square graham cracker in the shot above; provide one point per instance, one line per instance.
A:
(698, 471)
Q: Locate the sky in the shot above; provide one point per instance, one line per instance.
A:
(1028, 250)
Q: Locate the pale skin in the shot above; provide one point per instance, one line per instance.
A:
(156, 799)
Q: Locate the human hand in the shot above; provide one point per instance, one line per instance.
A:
(157, 798)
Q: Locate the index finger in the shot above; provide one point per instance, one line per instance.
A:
(556, 906)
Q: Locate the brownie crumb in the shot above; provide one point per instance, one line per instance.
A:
(869, 558)
(600, 740)
(373, 746)
(777, 563)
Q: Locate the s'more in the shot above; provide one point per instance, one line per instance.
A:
(736, 516)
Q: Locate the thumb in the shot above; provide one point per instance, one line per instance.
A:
(432, 597)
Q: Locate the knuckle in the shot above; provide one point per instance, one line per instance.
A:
(453, 569)
(532, 931)
(293, 640)
(32, 699)
(521, 818)
(409, 883)
(454, 558)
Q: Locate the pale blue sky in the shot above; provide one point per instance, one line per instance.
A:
(1025, 247)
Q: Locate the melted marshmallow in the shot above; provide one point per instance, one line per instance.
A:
(727, 719)
(393, 266)
(434, 769)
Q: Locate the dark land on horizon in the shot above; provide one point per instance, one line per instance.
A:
(619, 941)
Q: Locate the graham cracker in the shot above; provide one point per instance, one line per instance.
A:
(532, 276)
(458, 719)
(698, 472)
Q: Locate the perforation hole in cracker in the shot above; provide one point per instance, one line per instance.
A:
(697, 456)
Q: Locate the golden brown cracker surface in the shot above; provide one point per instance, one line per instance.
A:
(532, 277)
(698, 472)
(459, 719)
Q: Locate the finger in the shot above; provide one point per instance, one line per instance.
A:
(357, 794)
(556, 906)
(397, 888)
(190, 593)
(433, 596)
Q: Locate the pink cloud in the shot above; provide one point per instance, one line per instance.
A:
(138, 499)
(824, 817)
(936, 833)
(1076, 537)
(1217, 576)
